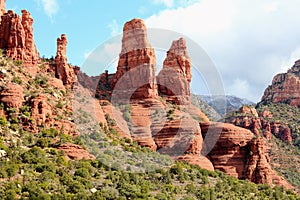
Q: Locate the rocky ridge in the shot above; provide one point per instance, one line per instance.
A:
(285, 88)
(261, 123)
(52, 109)
(20, 79)
(177, 130)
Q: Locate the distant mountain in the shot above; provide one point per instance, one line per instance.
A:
(224, 104)
(207, 109)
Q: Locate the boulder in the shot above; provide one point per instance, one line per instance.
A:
(75, 152)
(12, 95)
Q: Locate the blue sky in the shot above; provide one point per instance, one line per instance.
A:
(249, 41)
(86, 23)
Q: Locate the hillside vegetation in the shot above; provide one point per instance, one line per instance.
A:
(31, 167)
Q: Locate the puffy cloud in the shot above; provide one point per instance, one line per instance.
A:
(51, 7)
(249, 41)
(168, 3)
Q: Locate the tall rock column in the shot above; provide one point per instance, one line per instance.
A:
(175, 77)
(31, 53)
(63, 70)
(16, 37)
(137, 63)
(2, 8)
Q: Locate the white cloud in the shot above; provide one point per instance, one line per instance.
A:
(51, 7)
(271, 7)
(240, 87)
(249, 41)
(167, 3)
(290, 61)
(114, 27)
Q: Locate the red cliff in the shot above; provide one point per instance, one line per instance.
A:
(16, 37)
(285, 88)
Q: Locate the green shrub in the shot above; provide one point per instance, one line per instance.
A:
(3, 121)
(17, 80)
(18, 62)
(59, 105)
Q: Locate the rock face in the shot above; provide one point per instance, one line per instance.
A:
(41, 111)
(75, 152)
(16, 37)
(89, 82)
(2, 8)
(238, 153)
(231, 151)
(12, 96)
(63, 70)
(285, 88)
(175, 77)
(249, 110)
(260, 124)
(135, 76)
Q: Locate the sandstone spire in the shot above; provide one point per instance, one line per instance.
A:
(137, 58)
(64, 71)
(175, 77)
(16, 37)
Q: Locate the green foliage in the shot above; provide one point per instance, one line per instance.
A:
(41, 81)
(110, 122)
(60, 105)
(17, 80)
(3, 121)
(17, 62)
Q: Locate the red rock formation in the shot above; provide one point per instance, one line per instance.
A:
(105, 86)
(75, 152)
(249, 110)
(16, 37)
(2, 8)
(238, 153)
(179, 136)
(258, 168)
(65, 126)
(89, 82)
(12, 96)
(282, 131)
(141, 124)
(261, 126)
(175, 77)
(135, 76)
(199, 160)
(137, 58)
(266, 114)
(285, 88)
(63, 70)
(41, 111)
(231, 151)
